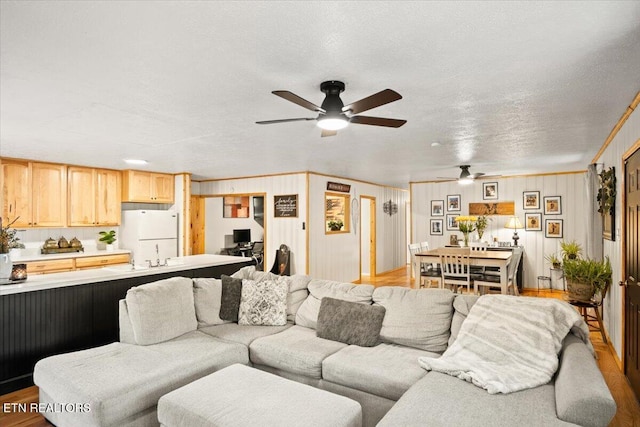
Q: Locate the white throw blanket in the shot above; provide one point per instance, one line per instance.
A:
(510, 343)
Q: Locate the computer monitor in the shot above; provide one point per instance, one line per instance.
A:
(242, 236)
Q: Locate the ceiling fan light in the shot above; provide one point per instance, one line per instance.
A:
(332, 123)
(465, 181)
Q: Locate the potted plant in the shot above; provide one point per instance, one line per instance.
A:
(466, 224)
(481, 224)
(108, 237)
(335, 225)
(586, 277)
(8, 241)
(553, 260)
(570, 250)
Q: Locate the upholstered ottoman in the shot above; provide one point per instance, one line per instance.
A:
(242, 396)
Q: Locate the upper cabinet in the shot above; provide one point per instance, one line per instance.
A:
(147, 187)
(94, 196)
(35, 193)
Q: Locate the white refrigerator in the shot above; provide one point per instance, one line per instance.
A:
(150, 235)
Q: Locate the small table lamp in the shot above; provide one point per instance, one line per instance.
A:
(514, 224)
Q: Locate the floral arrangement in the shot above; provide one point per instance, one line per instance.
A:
(481, 224)
(466, 224)
(8, 238)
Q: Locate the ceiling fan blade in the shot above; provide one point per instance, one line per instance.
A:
(377, 121)
(328, 133)
(384, 97)
(292, 97)
(476, 175)
(268, 122)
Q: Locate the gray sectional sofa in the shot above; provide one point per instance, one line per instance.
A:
(171, 334)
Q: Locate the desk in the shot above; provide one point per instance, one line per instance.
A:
(498, 259)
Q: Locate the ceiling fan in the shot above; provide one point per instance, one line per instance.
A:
(333, 115)
(467, 177)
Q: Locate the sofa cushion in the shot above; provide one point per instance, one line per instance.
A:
(119, 380)
(349, 322)
(298, 293)
(264, 303)
(461, 306)
(162, 310)
(297, 350)
(230, 300)
(207, 295)
(386, 370)
(240, 333)
(307, 314)
(440, 400)
(419, 318)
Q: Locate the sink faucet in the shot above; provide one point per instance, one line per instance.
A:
(157, 256)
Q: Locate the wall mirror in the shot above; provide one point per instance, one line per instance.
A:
(336, 213)
(235, 207)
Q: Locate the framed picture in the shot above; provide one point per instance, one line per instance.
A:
(437, 208)
(533, 221)
(285, 206)
(451, 222)
(336, 213)
(553, 205)
(453, 203)
(553, 228)
(531, 200)
(235, 207)
(437, 227)
(489, 191)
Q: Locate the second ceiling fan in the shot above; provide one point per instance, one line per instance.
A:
(333, 115)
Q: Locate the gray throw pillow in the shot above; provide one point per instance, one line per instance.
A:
(350, 322)
(230, 301)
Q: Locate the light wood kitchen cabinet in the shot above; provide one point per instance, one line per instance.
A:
(50, 266)
(101, 261)
(147, 187)
(35, 192)
(94, 196)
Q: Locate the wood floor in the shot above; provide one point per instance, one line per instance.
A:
(628, 414)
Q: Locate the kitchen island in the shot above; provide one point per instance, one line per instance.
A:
(61, 312)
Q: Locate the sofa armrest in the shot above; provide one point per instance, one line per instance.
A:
(126, 330)
(582, 396)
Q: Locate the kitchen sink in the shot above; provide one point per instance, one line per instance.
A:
(126, 267)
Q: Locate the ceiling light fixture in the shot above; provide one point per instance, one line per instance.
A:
(465, 176)
(136, 162)
(333, 123)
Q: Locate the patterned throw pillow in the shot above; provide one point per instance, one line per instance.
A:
(264, 303)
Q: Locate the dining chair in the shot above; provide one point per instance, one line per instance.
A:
(424, 273)
(455, 266)
(478, 247)
(491, 280)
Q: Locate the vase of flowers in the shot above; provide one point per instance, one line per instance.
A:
(8, 241)
(466, 224)
(481, 224)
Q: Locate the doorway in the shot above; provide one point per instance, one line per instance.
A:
(367, 236)
(632, 269)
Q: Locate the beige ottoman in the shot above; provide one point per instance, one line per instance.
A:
(242, 396)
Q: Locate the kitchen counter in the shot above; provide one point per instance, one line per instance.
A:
(17, 259)
(114, 272)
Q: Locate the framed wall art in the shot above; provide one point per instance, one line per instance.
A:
(437, 208)
(454, 203)
(336, 212)
(285, 206)
(235, 207)
(489, 191)
(451, 222)
(531, 200)
(533, 221)
(552, 205)
(437, 227)
(553, 228)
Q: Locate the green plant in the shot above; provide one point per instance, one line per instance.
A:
(553, 260)
(481, 224)
(8, 238)
(107, 237)
(570, 250)
(335, 225)
(593, 272)
(607, 191)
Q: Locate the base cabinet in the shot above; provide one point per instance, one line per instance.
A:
(43, 323)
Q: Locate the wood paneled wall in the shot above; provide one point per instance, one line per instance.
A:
(570, 187)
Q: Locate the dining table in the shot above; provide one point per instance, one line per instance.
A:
(498, 259)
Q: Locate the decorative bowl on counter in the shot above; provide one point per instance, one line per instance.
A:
(52, 246)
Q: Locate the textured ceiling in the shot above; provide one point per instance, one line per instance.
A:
(507, 87)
